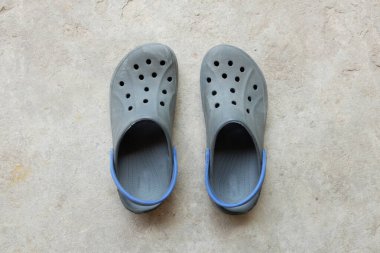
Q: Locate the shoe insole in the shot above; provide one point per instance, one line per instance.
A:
(235, 166)
(144, 168)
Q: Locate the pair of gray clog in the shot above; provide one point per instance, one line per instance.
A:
(142, 101)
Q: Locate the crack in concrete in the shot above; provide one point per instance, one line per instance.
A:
(124, 6)
(5, 9)
(350, 70)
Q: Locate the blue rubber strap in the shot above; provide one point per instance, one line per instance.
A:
(140, 201)
(244, 201)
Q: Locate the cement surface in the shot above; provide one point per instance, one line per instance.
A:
(321, 60)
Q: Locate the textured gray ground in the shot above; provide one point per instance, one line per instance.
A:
(321, 60)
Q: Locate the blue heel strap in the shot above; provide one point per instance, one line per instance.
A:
(244, 201)
(138, 201)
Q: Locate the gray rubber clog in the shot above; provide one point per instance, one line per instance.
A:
(234, 99)
(142, 100)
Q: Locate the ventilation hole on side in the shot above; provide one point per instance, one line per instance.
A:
(164, 92)
(136, 67)
(141, 77)
(148, 61)
(224, 75)
(217, 105)
(242, 69)
(127, 95)
(233, 102)
(230, 63)
(247, 110)
(216, 63)
(237, 79)
(214, 92)
(162, 63)
(130, 108)
(208, 79)
(162, 103)
(121, 83)
(154, 74)
(232, 90)
(145, 101)
(146, 89)
(249, 98)
(170, 79)
(255, 87)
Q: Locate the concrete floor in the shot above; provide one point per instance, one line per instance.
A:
(321, 60)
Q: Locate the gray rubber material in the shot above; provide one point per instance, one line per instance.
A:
(142, 101)
(234, 99)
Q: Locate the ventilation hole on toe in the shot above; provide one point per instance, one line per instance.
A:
(213, 92)
(232, 90)
(208, 79)
(233, 102)
(121, 83)
(170, 79)
(241, 69)
(162, 103)
(224, 75)
(237, 79)
(146, 89)
(216, 63)
(249, 98)
(136, 66)
(130, 108)
(217, 105)
(127, 95)
(255, 87)
(162, 63)
(145, 101)
(230, 63)
(247, 110)
(154, 74)
(164, 92)
(148, 61)
(141, 77)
